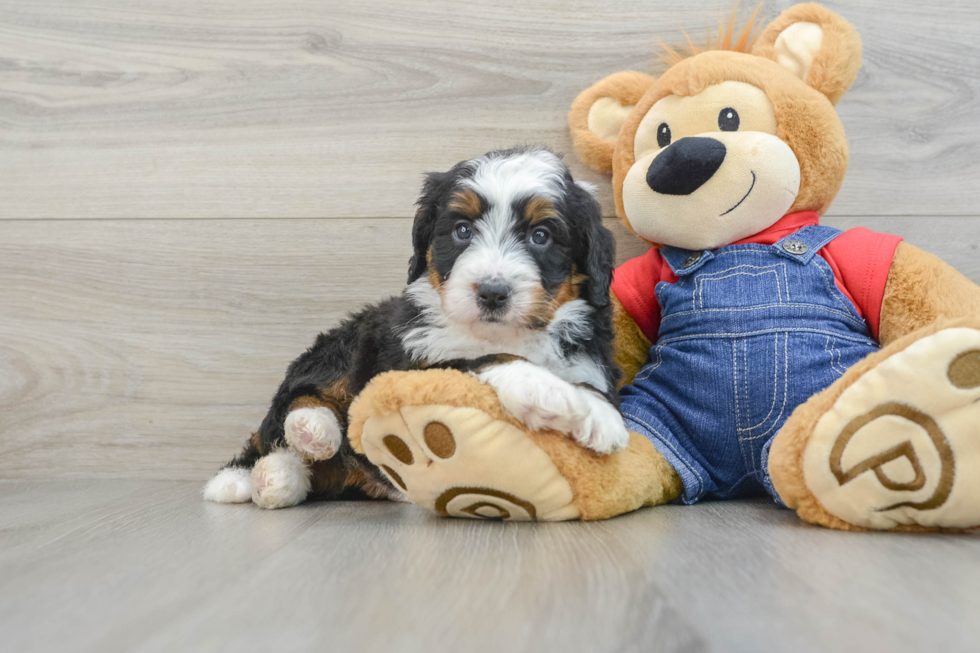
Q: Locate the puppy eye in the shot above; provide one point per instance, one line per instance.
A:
(663, 135)
(462, 231)
(540, 237)
(728, 120)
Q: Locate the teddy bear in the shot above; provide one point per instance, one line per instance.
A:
(763, 353)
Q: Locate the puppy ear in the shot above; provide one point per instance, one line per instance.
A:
(425, 222)
(598, 113)
(598, 253)
(816, 45)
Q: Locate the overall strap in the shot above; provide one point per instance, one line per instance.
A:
(685, 261)
(804, 244)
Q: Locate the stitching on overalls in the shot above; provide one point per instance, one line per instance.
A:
(648, 369)
(716, 256)
(836, 294)
(740, 419)
(835, 355)
(863, 340)
(732, 250)
(730, 272)
(832, 311)
(782, 409)
(775, 384)
(738, 410)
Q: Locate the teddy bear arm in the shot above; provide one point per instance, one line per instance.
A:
(631, 349)
(922, 287)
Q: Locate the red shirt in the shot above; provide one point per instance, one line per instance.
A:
(859, 258)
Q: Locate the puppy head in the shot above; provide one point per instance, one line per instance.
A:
(508, 238)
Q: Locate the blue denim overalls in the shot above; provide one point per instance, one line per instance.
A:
(747, 333)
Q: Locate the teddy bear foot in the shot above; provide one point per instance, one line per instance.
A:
(899, 448)
(461, 462)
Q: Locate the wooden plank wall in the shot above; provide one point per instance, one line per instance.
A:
(191, 189)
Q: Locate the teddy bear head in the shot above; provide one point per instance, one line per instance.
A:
(730, 139)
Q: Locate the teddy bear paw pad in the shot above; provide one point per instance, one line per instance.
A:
(901, 446)
(460, 462)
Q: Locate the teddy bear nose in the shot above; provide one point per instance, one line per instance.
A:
(685, 165)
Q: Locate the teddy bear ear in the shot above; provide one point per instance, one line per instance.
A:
(598, 113)
(816, 45)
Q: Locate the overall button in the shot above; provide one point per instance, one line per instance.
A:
(691, 260)
(795, 247)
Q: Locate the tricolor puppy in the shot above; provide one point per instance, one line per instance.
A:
(509, 281)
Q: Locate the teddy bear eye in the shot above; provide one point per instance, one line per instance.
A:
(728, 120)
(663, 135)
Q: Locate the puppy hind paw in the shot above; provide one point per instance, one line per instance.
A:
(230, 485)
(279, 480)
(313, 432)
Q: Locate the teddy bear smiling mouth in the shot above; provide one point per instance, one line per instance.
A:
(744, 197)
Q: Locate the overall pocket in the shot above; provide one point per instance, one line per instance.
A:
(763, 399)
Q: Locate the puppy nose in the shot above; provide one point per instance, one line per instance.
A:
(685, 165)
(492, 296)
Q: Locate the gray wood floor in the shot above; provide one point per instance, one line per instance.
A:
(191, 189)
(146, 566)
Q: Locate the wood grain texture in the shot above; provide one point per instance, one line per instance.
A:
(142, 566)
(154, 344)
(151, 348)
(301, 108)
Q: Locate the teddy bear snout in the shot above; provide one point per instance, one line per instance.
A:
(685, 165)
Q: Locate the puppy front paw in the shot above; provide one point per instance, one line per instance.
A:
(535, 396)
(602, 429)
(541, 400)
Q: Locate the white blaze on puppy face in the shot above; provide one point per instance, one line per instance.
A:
(498, 252)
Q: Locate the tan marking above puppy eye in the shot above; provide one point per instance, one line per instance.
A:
(466, 202)
(539, 209)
